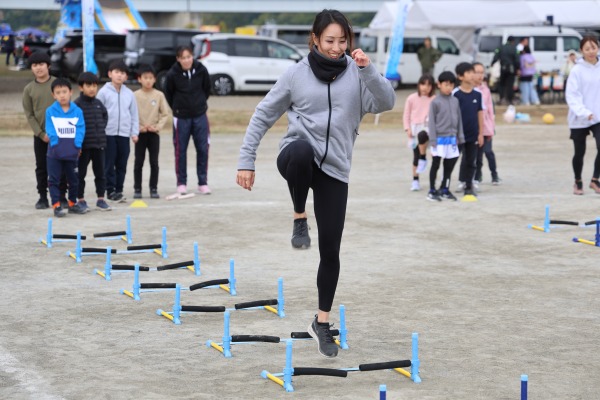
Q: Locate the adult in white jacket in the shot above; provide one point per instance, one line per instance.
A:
(583, 98)
(325, 95)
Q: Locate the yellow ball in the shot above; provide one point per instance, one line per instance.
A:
(548, 118)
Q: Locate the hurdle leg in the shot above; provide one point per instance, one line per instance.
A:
(226, 336)
(128, 236)
(48, 242)
(524, 380)
(547, 219)
(107, 266)
(135, 293)
(288, 371)
(382, 392)
(343, 342)
(231, 287)
(280, 299)
(163, 245)
(414, 362)
(196, 269)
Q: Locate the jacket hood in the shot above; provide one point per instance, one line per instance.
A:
(584, 63)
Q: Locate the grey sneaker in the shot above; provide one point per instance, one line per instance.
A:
(77, 209)
(300, 238)
(154, 194)
(322, 334)
(59, 212)
(137, 194)
(83, 205)
(103, 205)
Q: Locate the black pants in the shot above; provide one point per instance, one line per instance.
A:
(151, 142)
(40, 149)
(115, 167)
(449, 164)
(96, 156)
(491, 157)
(296, 164)
(468, 164)
(506, 86)
(579, 137)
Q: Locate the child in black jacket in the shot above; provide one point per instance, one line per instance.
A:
(96, 118)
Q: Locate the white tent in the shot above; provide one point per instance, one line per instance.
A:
(462, 17)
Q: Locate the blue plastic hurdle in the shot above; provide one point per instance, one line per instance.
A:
(224, 347)
(548, 222)
(397, 366)
(178, 309)
(382, 392)
(524, 380)
(160, 249)
(58, 237)
(226, 284)
(596, 241)
(125, 235)
(192, 265)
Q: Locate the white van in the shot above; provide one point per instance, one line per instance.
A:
(549, 45)
(375, 44)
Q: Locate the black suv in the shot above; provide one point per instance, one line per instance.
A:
(67, 55)
(156, 46)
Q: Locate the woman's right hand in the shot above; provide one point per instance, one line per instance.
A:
(245, 179)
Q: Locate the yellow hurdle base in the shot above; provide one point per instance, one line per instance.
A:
(403, 372)
(128, 293)
(216, 346)
(586, 242)
(225, 288)
(101, 274)
(166, 315)
(269, 308)
(275, 379)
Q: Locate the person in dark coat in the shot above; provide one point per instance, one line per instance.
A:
(509, 65)
(9, 47)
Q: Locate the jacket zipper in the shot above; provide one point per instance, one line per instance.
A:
(328, 125)
(119, 118)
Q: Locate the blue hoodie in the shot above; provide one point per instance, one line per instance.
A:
(65, 130)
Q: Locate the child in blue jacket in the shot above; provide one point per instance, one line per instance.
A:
(65, 128)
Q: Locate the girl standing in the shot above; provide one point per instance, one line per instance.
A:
(415, 119)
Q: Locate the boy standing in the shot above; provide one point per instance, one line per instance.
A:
(489, 126)
(96, 118)
(471, 110)
(37, 97)
(123, 123)
(153, 111)
(65, 129)
(445, 135)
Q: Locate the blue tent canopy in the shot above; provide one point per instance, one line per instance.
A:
(32, 31)
(5, 29)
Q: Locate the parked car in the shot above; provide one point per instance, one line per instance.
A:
(375, 44)
(238, 63)
(156, 47)
(66, 56)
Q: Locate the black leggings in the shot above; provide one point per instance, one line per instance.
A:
(579, 137)
(296, 164)
(422, 138)
(449, 164)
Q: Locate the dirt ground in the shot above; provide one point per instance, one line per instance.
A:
(490, 298)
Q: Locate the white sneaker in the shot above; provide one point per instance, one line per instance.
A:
(460, 187)
(422, 166)
(476, 184)
(416, 186)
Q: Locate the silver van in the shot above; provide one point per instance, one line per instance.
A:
(238, 63)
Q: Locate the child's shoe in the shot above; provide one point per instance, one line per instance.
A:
(433, 195)
(59, 212)
(415, 186)
(595, 186)
(578, 188)
(83, 205)
(182, 189)
(154, 194)
(137, 194)
(496, 181)
(102, 205)
(460, 187)
(204, 189)
(77, 209)
(447, 194)
(42, 204)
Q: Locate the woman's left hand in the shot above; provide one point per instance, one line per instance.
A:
(360, 58)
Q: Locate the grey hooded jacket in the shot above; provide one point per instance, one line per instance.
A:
(325, 115)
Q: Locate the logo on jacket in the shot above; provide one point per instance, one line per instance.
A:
(65, 127)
